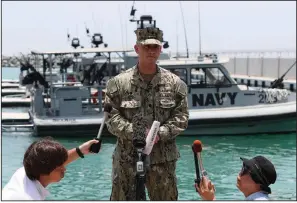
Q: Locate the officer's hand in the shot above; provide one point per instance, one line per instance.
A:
(147, 132)
(157, 137)
(85, 147)
(206, 189)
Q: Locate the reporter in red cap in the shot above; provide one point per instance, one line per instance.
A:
(254, 179)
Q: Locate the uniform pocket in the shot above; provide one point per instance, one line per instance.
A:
(130, 108)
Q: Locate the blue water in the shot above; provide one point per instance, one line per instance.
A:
(10, 73)
(90, 178)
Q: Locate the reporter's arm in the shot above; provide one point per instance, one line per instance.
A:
(82, 150)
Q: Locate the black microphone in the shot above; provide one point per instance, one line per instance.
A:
(138, 141)
(95, 148)
(139, 132)
(196, 148)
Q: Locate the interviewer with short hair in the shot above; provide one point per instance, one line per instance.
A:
(44, 163)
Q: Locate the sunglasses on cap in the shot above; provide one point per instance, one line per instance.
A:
(255, 173)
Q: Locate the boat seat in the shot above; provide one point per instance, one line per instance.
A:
(69, 100)
(66, 92)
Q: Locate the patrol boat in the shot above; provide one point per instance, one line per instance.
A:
(219, 106)
(65, 114)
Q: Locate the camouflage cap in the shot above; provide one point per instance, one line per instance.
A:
(149, 35)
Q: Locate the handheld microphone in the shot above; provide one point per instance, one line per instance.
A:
(151, 137)
(95, 148)
(197, 149)
(138, 141)
(138, 126)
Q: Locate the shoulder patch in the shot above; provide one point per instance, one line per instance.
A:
(111, 86)
(182, 88)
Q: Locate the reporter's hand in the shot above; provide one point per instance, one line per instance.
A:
(206, 189)
(85, 147)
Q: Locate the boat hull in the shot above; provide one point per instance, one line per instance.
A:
(202, 127)
(261, 119)
(258, 119)
(67, 126)
(86, 130)
(278, 124)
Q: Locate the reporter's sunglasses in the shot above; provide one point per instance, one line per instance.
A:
(256, 174)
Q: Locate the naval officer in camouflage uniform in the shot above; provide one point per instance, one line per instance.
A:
(159, 95)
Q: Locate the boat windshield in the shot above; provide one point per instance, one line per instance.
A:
(181, 72)
(208, 76)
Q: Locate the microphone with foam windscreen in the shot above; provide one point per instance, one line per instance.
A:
(139, 135)
(197, 149)
(95, 148)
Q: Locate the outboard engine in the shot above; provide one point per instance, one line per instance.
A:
(100, 73)
(86, 74)
(32, 77)
(66, 63)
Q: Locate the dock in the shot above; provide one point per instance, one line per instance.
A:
(16, 122)
(15, 102)
(15, 118)
(9, 85)
(12, 91)
(10, 81)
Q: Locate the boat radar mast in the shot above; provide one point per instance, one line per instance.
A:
(97, 39)
(75, 42)
(146, 21)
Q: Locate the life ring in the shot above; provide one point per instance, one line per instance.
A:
(95, 97)
(70, 78)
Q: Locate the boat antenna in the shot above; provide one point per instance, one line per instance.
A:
(121, 22)
(184, 29)
(68, 35)
(176, 39)
(132, 12)
(76, 30)
(87, 30)
(199, 28)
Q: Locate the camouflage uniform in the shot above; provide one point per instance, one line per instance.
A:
(163, 99)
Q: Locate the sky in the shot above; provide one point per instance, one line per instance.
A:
(225, 26)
